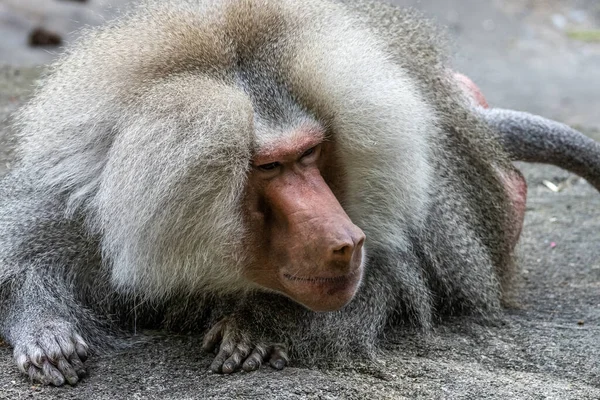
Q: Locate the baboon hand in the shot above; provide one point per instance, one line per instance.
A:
(52, 353)
(236, 349)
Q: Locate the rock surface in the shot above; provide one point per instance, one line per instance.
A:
(549, 348)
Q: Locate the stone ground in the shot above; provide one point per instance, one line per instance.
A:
(524, 55)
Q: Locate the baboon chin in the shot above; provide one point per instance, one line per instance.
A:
(295, 175)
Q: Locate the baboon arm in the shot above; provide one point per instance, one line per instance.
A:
(40, 321)
(41, 254)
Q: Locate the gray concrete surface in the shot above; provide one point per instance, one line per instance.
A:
(520, 54)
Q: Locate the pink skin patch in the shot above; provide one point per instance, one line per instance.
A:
(471, 89)
(516, 189)
(513, 181)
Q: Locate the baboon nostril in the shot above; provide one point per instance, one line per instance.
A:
(360, 243)
(343, 250)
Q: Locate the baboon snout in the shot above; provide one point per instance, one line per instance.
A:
(324, 272)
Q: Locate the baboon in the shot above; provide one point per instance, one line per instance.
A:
(289, 177)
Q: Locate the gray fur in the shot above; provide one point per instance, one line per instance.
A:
(124, 209)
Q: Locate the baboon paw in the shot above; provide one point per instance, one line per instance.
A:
(52, 355)
(237, 350)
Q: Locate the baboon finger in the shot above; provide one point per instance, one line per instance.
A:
(77, 365)
(36, 356)
(51, 350)
(23, 362)
(36, 375)
(224, 354)
(66, 344)
(81, 347)
(212, 338)
(279, 357)
(234, 362)
(67, 370)
(256, 358)
(54, 375)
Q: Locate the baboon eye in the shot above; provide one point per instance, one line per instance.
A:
(308, 152)
(269, 166)
(310, 155)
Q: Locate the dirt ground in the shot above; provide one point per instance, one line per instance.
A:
(523, 55)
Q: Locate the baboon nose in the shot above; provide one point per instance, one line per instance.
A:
(345, 249)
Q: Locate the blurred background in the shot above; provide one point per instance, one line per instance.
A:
(541, 56)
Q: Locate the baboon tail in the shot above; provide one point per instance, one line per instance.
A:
(528, 137)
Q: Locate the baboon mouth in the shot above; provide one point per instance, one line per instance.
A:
(318, 279)
(322, 293)
(325, 285)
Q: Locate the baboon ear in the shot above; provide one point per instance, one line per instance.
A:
(528, 137)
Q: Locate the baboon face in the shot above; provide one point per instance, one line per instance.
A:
(304, 244)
